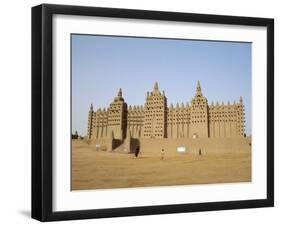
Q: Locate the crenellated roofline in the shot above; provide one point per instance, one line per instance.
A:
(198, 94)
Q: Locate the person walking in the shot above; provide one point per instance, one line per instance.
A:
(137, 151)
(140, 153)
(162, 154)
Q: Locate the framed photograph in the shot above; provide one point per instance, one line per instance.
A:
(145, 112)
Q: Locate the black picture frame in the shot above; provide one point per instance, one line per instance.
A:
(42, 111)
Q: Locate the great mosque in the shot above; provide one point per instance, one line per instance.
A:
(155, 120)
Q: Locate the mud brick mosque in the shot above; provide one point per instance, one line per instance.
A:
(154, 124)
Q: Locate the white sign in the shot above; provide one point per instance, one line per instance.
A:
(181, 149)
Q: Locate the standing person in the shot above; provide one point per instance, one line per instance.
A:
(200, 152)
(162, 154)
(137, 151)
(140, 153)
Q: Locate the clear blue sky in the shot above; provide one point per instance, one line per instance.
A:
(103, 64)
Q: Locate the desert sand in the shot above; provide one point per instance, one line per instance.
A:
(93, 169)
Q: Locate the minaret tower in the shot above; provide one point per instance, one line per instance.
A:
(155, 114)
(240, 118)
(117, 117)
(199, 114)
(90, 122)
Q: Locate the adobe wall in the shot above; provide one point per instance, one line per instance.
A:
(153, 146)
(207, 145)
(156, 120)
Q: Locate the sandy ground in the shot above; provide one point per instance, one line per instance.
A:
(99, 169)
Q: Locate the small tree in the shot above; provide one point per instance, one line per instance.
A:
(75, 135)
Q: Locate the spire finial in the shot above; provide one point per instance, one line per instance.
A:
(120, 93)
(198, 89)
(156, 86)
(91, 107)
(241, 99)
